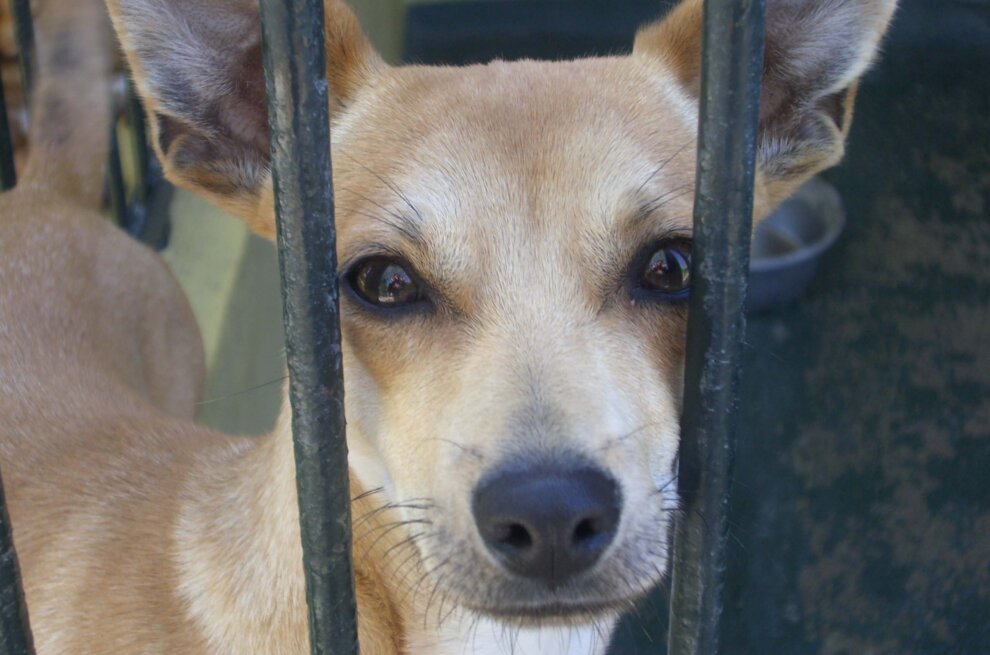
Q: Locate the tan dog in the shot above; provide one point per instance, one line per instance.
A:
(513, 241)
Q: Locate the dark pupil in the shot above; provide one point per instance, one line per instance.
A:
(669, 270)
(393, 284)
(386, 283)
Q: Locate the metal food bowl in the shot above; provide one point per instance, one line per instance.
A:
(789, 243)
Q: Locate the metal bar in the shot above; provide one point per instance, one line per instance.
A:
(142, 160)
(15, 631)
(295, 77)
(154, 213)
(8, 176)
(115, 182)
(24, 34)
(732, 64)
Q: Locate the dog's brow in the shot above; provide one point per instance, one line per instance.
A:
(647, 208)
(663, 165)
(401, 223)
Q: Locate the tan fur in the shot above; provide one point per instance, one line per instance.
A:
(522, 192)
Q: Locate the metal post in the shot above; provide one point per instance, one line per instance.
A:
(295, 76)
(24, 34)
(139, 135)
(732, 64)
(8, 177)
(15, 632)
(115, 182)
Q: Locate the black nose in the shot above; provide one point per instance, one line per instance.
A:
(547, 524)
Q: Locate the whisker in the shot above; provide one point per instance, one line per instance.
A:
(405, 542)
(411, 562)
(659, 168)
(391, 186)
(371, 492)
(395, 526)
(409, 234)
(667, 197)
(429, 573)
(466, 449)
(426, 614)
(228, 396)
(413, 503)
(612, 443)
(403, 225)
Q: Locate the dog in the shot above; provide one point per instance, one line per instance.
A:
(514, 243)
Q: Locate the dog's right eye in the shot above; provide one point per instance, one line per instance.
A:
(385, 282)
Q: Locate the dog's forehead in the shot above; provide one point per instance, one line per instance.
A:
(505, 160)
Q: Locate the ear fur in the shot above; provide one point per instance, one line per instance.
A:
(198, 67)
(815, 52)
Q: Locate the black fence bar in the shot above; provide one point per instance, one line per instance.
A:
(15, 631)
(142, 158)
(8, 176)
(730, 100)
(24, 34)
(115, 181)
(141, 208)
(295, 76)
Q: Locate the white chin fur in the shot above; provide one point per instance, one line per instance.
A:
(464, 635)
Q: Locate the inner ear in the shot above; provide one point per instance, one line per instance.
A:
(198, 67)
(219, 144)
(815, 51)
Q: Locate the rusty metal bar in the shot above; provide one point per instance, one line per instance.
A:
(732, 65)
(298, 119)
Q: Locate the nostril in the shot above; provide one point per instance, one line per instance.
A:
(517, 537)
(547, 524)
(585, 532)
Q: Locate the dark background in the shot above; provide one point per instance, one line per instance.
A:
(861, 511)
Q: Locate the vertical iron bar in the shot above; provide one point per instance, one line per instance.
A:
(8, 176)
(24, 34)
(298, 119)
(115, 182)
(142, 160)
(732, 64)
(15, 631)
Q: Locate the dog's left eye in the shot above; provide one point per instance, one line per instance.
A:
(667, 272)
(386, 282)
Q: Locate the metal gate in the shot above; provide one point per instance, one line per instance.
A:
(295, 73)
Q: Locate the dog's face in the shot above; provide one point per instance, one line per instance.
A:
(514, 244)
(514, 313)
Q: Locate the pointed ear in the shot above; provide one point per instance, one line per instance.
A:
(198, 68)
(815, 52)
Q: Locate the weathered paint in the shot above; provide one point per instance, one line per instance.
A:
(295, 77)
(732, 64)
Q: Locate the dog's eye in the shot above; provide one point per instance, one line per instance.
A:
(668, 270)
(385, 282)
